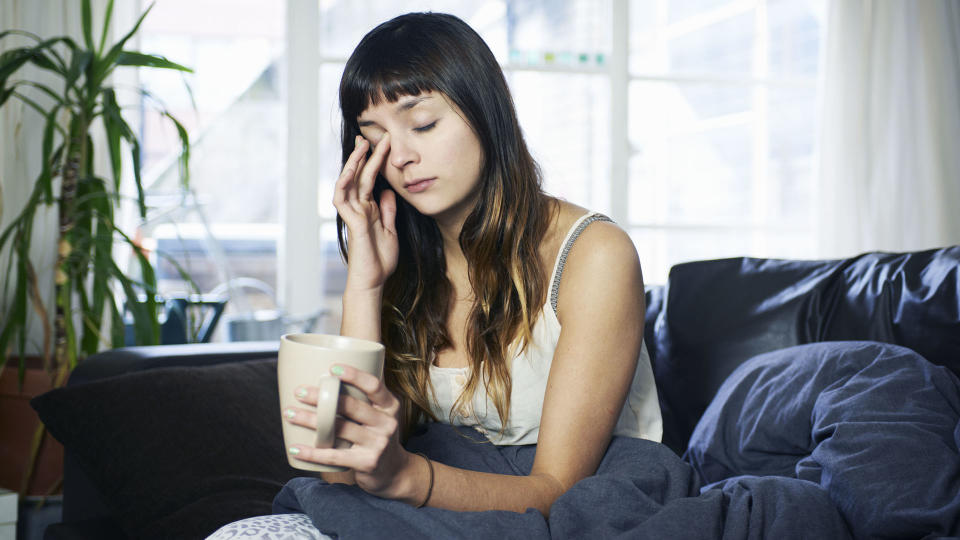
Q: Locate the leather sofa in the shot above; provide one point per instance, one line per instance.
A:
(709, 318)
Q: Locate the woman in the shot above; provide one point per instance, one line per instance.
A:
(499, 307)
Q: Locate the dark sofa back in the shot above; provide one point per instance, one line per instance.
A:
(717, 314)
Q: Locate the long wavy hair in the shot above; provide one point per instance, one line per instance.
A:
(406, 56)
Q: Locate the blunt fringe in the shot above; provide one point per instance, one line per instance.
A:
(422, 52)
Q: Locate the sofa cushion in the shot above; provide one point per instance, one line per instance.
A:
(176, 452)
(717, 314)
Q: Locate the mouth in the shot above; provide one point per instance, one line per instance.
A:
(421, 184)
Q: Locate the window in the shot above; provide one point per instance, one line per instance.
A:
(716, 101)
(722, 102)
(689, 122)
(235, 113)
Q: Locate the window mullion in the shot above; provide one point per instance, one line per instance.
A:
(619, 70)
(298, 252)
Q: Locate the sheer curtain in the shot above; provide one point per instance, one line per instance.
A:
(889, 159)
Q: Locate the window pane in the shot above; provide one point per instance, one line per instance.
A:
(334, 278)
(330, 152)
(713, 43)
(238, 137)
(343, 23)
(565, 120)
(562, 32)
(679, 10)
(693, 157)
(660, 249)
(794, 31)
(699, 178)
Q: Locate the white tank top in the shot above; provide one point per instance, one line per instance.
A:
(529, 371)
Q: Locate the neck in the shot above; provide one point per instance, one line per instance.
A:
(450, 232)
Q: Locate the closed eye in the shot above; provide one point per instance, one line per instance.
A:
(425, 128)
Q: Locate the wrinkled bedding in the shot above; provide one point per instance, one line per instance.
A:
(828, 440)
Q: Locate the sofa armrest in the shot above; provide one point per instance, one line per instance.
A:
(128, 359)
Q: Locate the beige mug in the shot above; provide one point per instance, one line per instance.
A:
(306, 359)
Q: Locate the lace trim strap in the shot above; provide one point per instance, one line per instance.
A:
(565, 251)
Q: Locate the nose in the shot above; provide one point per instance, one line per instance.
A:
(402, 153)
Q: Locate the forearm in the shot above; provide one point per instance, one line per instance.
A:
(472, 491)
(361, 313)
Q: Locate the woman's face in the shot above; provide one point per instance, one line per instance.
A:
(434, 159)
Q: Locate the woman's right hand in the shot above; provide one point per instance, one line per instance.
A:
(372, 243)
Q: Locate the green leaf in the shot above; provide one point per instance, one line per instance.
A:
(78, 64)
(45, 89)
(146, 326)
(131, 58)
(46, 178)
(118, 334)
(31, 103)
(184, 151)
(114, 126)
(5, 94)
(87, 23)
(141, 197)
(16, 313)
(42, 61)
(149, 328)
(106, 27)
(102, 257)
(12, 60)
(109, 61)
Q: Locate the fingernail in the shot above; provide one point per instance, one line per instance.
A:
(290, 413)
(301, 392)
(293, 451)
(337, 370)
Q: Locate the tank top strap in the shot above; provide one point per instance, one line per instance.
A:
(567, 245)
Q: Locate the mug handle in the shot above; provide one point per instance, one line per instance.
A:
(328, 398)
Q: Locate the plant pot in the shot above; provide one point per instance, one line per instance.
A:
(18, 424)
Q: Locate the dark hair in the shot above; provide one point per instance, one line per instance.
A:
(423, 52)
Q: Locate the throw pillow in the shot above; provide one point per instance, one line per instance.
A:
(176, 452)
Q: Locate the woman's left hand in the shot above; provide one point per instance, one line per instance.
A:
(376, 457)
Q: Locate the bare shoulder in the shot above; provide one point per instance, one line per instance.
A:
(603, 248)
(602, 263)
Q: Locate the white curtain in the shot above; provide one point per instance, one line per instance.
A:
(889, 144)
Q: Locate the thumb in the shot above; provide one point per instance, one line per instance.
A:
(388, 210)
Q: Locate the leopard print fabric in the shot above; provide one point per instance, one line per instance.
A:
(275, 527)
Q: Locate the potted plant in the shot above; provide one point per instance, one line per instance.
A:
(89, 286)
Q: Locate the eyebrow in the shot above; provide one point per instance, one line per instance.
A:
(401, 107)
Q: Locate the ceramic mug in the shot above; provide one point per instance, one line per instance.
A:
(306, 359)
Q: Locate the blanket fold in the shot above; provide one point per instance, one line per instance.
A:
(641, 490)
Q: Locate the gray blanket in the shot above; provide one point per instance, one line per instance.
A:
(817, 441)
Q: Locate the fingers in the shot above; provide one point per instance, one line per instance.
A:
(369, 384)
(343, 429)
(380, 414)
(368, 174)
(346, 187)
(388, 210)
(364, 461)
